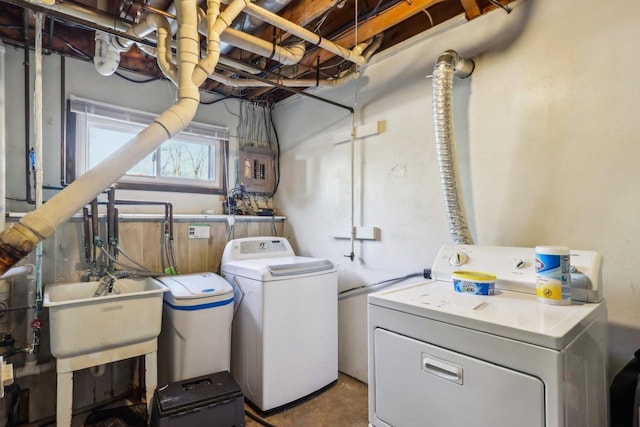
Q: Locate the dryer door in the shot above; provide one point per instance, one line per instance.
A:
(419, 384)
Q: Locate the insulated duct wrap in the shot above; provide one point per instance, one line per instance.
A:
(443, 73)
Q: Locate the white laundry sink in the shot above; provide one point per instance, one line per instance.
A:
(81, 324)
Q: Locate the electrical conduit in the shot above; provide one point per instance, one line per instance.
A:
(448, 64)
(18, 241)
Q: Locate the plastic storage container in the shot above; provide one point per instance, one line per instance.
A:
(196, 327)
(211, 400)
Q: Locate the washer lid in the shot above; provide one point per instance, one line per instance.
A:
(279, 268)
(200, 285)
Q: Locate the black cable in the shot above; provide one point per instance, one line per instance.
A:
(394, 280)
(258, 419)
(275, 132)
(129, 79)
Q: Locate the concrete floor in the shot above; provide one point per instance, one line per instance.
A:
(343, 405)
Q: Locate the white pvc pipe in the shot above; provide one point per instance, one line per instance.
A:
(22, 270)
(284, 55)
(3, 131)
(353, 55)
(31, 367)
(106, 58)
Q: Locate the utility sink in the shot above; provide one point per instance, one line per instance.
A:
(81, 324)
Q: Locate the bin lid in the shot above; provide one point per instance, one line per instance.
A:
(195, 286)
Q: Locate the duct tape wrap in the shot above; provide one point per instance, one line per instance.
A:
(473, 282)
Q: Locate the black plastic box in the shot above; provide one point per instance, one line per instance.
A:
(211, 400)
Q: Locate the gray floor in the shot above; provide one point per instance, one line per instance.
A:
(343, 405)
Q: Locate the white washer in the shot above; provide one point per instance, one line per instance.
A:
(285, 331)
(442, 358)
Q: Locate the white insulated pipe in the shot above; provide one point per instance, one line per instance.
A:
(284, 55)
(18, 241)
(354, 55)
(22, 270)
(347, 75)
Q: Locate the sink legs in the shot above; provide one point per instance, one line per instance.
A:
(64, 401)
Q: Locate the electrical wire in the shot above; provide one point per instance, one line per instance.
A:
(507, 9)
(258, 419)
(129, 79)
(387, 283)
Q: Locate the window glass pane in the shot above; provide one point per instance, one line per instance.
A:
(181, 159)
(104, 141)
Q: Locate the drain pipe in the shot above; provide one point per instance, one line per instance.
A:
(20, 240)
(449, 64)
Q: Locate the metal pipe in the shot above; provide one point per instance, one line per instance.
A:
(63, 122)
(27, 109)
(111, 243)
(95, 232)
(3, 139)
(88, 236)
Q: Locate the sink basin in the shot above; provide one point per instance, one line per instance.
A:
(82, 324)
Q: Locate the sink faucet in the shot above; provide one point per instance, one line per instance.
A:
(105, 286)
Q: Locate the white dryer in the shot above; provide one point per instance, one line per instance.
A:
(442, 358)
(285, 331)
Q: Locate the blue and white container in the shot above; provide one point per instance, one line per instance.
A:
(196, 327)
(553, 275)
(474, 282)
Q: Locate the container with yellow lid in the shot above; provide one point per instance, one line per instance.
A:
(473, 282)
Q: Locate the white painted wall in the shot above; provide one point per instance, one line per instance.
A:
(82, 80)
(547, 139)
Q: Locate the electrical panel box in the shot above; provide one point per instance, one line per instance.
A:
(257, 171)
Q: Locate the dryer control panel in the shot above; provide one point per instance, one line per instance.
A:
(515, 268)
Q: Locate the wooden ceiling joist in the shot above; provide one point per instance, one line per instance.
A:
(374, 26)
(471, 9)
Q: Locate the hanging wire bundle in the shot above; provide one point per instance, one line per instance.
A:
(255, 128)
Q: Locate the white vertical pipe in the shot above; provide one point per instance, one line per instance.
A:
(3, 130)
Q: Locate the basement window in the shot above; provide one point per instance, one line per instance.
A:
(193, 161)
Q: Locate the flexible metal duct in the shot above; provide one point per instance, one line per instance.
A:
(448, 64)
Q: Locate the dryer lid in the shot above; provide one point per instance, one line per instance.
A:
(201, 285)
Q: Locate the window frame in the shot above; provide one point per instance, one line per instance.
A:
(81, 113)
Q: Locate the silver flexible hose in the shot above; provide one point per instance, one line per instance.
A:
(447, 65)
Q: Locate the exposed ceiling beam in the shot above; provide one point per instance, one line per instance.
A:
(471, 9)
(387, 19)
